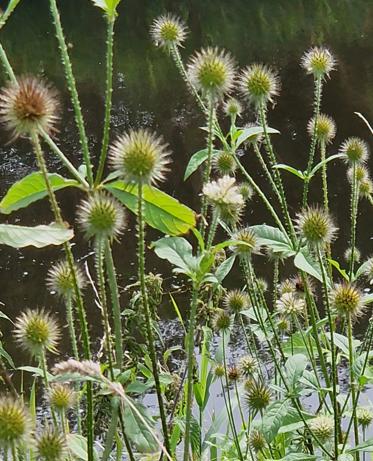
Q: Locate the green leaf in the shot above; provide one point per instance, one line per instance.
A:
(362, 446)
(251, 132)
(279, 413)
(178, 252)
(341, 342)
(274, 239)
(109, 6)
(161, 211)
(35, 371)
(336, 264)
(5, 16)
(305, 262)
(30, 189)
(296, 457)
(38, 236)
(295, 366)
(296, 345)
(225, 267)
(4, 354)
(290, 169)
(362, 269)
(196, 160)
(323, 162)
(78, 446)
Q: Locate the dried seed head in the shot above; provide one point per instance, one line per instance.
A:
(15, 423)
(101, 216)
(224, 195)
(259, 83)
(168, 31)
(325, 128)
(140, 157)
(355, 149)
(257, 440)
(232, 107)
(290, 305)
(62, 397)
(211, 71)
(248, 366)
(233, 373)
(346, 299)
(364, 416)
(224, 163)
(236, 301)
(316, 226)
(257, 395)
(348, 254)
(51, 446)
(322, 427)
(318, 61)
(221, 320)
(36, 331)
(249, 241)
(83, 368)
(29, 106)
(60, 279)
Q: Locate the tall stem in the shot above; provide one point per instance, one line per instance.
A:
(108, 97)
(147, 313)
(324, 174)
(354, 210)
(72, 88)
(7, 66)
(352, 380)
(71, 326)
(213, 227)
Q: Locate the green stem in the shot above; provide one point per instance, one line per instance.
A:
(113, 285)
(108, 97)
(354, 210)
(71, 326)
(324, 175)
(147, 313)
(71, 84)
(213, 227)
(14, 452)
(7, 66)
(352, 380)
(239, 405)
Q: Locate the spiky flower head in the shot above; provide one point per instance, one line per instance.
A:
(348, 253)
(236, 301)
(262, 284)
(167, 31)
(346, 299)
(324, 128)
(232, 107)
(257, 440)
(15, 423)
(249, 241)
(36, 331)
(83, 368)
(316, 226)
(355, 149)
(219, 257)
(361, 172)
(318, 61)
(140, 156)
(286, 286)
(368, 269)
(223, 194)
(221, 320)
(219, 371)
(366, 188)
(101, 216)
(60, 279)
(233, 373)
(246, 190)
(290, 305)
(224, 163)
(364, 416)
(322, 427)
(27, 106)
(283, 324)
(248, 365)
(62, 397)
(211, 71)
(259, 84)
(51, 446)
(257, 395)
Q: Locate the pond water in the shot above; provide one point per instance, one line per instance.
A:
(148, 92)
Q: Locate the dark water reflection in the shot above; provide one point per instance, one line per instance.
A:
(149, 92)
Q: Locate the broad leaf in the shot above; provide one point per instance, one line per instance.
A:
(178, 252)
(290, 169)
(225, 267)
(196, 160)
(161, 211)
(109, 6)
(78, 446)
(336, 264)
(251, 132)
(4, 354)
(296, 345)
(30, 189)
(35, 371)
(295, 366)
(38, 236)
(279, 413)
(274, 239)
(305, 262)
(324, 162)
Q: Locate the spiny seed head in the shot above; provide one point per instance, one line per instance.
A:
(324, 128)
(211, 71)
(257, 395)
(15, 423)
(83, 368)
(290, 305)
(368, 269)
(60, 279)
(366, 188)
(246, 190)
(51, 446)
(140, 156)
(322, 427)
(346, 299)
(232, 107)
(285, 287)
(249, 241)
(36, 331)
(318, 61)
(167, 31)
(61, 397)
(221, 320)
(224, 195)
(361, 171)
(257, 440)
(355, 149)
(283, 324)
(259, 83)
(224, 163)
(248, 366)
(348, 254)
(219, 257)
(233, 373)
(236, 301)
(262, 284)
(101, 216)
(316, 226)
(29, 106)
(219, 371)
(364, 416)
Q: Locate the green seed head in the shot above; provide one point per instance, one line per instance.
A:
(257, 395)
(316, 226)
(257, 440)
(249, 241)
(232, 107)
(248, 366)
(219, 371)
(348, 254)
(368, 271)
(355, 150)
(283, 324)
(259, 84)
(318, 61)
(168, 31)
(61, 397)
(36, 331)
(51, 446)
(262, 284)
(236, 301)
(322, 427)
(246, 190)
(15, 423)
(290, 305)
(211, 71)
(361, 171)
(224, 163)
(101, 216)
(221, 320)
(364, 416)
(366, 188)
(325, 128)
(346, 299)
(60, 279)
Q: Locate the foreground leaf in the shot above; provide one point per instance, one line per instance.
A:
(274, 239)
(196, 160)
(253, 131)
(109, 6)
(38, 236)
(305, 262)
(161, 211)
(30, 189)
(178, 252)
